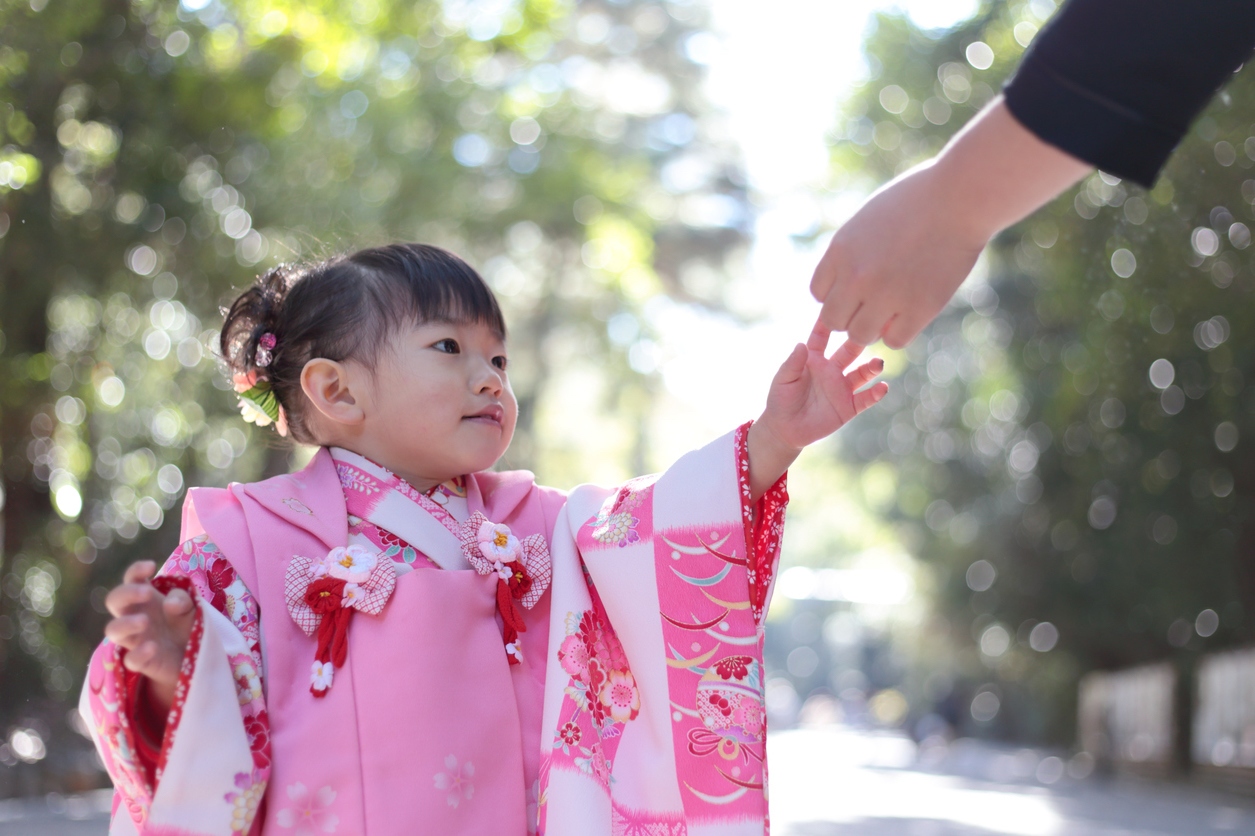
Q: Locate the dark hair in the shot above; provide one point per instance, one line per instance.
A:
(346, 308)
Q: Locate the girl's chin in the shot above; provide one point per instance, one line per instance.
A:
(483, 462)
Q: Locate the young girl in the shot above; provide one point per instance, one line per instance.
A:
(397, 640)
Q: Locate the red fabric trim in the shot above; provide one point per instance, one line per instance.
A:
(152, 742)
(763, 523)
(146, 735)
(164, 584)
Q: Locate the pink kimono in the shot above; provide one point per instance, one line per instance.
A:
(630, 699)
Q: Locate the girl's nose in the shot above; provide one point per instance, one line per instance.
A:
(488, 379)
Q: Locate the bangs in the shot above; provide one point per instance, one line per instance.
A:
(420, 283)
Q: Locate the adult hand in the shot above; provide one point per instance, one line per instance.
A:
(893, 266)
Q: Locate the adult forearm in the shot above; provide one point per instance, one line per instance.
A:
(997, 172)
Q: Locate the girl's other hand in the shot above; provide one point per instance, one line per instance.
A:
(154, 629)
(811, 397)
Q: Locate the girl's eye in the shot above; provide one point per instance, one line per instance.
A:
(500, 362)
(448, 346)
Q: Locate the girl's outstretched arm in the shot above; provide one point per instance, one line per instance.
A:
(810, 398)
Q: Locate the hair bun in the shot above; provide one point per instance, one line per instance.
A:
(250, 333)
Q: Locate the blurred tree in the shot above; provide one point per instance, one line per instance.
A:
(1073, 434)
(154, 155)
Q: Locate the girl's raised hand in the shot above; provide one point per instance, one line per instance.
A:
(811, 397)
(154, 629)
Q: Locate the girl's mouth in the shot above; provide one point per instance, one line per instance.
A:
(493, 416)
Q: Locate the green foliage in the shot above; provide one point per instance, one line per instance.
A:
(1027, 428)
(154, 156)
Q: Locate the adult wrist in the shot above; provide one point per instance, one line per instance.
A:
(962, 189)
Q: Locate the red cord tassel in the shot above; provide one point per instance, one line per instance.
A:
(511, 616)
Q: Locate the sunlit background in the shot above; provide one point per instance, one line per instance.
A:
(1024, 569)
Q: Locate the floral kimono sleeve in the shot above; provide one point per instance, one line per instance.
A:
(159, 774)
(654, 697)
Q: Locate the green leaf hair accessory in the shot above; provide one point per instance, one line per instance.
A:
(258, 403)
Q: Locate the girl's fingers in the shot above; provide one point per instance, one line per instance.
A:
(177, 603)
(846, 354)
(140, 572)
(869, 396)
(818, 340)
(865, 373)
(121, 599)
(793, 366)
(124, 630)
(140, 657)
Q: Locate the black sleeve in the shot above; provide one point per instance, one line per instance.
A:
(1117, 82)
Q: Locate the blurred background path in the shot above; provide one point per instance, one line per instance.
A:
(838, 781)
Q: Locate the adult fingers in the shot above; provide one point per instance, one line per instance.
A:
(869, 396)
(831, 284)
(825, 271)
(866, 326)
(125, 630)
(905, 326)
(122, 599)
(839, 310)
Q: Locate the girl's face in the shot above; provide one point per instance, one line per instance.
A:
(441, 403)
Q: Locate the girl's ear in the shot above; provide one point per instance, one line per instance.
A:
(330, 387)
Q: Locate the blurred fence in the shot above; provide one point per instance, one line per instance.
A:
(1173, 719)
(1223, 746)
(1126, 718)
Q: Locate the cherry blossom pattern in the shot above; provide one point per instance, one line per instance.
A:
(296, 505)
(620, 696)
(522, 567)
(246, 801)
(569, 735)
(602, 695)
(601, 682)
(322, 595)
(595, 764)
(615, 524)
(616, 529)
(310, 812)
(456, 781)
(247, 680)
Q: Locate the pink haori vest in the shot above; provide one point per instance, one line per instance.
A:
(637, 705)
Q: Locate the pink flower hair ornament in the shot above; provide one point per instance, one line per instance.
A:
(258, 403)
